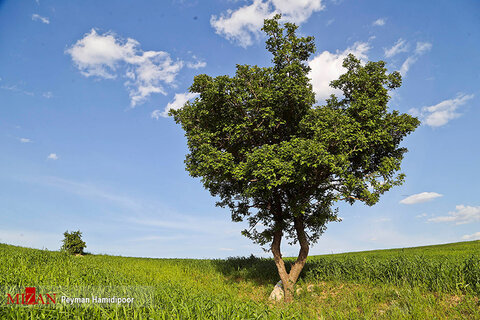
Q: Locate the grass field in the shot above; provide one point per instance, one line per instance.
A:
(433, 282)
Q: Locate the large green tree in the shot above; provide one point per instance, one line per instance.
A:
(260, 144)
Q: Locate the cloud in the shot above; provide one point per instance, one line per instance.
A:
(156, 114)
(24, 140)
(197, 64)
(100, 55)
(297, 11)
(475, 236)
(328, 66)
(36, 17)
(178, 101)
(399, 46)
(440, 114)
(88, 191)
(421, 197)
(407, 64)
(379, 22)
(47, 95)
(14, 88)
(421, 48)
(242, 26)
(139, 211)
(462, 215)
(52, 156)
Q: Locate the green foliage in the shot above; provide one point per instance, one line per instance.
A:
(237, 288)
(73, 243)
(260, 144)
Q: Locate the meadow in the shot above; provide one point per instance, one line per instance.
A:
(433, 282)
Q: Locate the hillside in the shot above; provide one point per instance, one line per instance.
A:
(441, 281)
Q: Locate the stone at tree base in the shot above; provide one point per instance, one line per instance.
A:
(277, 293)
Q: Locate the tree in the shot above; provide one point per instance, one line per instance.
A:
(258, 143)
(73, 243)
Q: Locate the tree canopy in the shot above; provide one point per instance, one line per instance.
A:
(258, 142)
(73, 243)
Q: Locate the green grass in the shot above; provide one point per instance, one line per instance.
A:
(434, 282)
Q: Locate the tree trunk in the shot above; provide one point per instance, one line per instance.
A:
(289, 279)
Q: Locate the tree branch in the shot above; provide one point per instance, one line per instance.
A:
(304, 248)
(351, 197)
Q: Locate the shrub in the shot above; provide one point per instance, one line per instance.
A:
(73, 243)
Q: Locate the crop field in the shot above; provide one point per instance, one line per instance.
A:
(434, 282)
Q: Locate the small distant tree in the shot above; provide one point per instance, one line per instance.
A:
(277, 160)
(73, 243)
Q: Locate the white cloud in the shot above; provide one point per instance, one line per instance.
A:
(36, 17)
(147, 71)
(88, 191)
(379, 22)
(197, 64)
(475, 236)
(328, 66)
(399, 46)
(407, 64)
(156, 114)
(297, 11)
(24, 140)
(421, 197)
(441, 113)
(243, 25)
(178, 101)
(462, 215)
(52, 156)
(421, 48)
(14, 88)
(47, 95)
(225, 249)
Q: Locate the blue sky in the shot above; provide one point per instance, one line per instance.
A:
(86, 143)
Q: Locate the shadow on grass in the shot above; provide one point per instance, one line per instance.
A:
(259, 270)
(262, 271)
(431, 273)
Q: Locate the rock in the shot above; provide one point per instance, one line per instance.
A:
(277, 293)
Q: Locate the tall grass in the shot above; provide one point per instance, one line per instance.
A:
(446, 268)
(431, 273)
(403, 283)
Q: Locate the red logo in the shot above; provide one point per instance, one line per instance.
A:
(31, 297)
